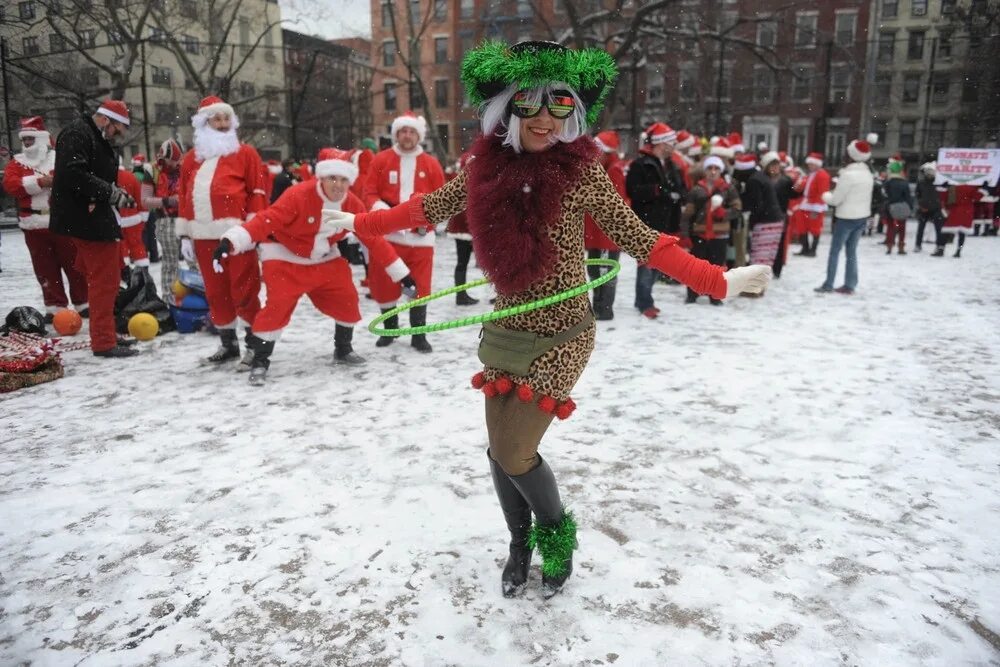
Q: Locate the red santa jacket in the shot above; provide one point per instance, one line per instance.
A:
(291, 230)
(815, 185)
(167, 185)
(21, 182)
(593, 237)
(130, 217)
(218, 193)
(960, 203)
(362, 159)
(394, 177)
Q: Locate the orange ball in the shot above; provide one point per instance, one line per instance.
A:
(67, 322)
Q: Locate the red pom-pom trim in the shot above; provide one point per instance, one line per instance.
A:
(479, 380)
(566, 409)
(525, 393)
(490, 389)
(547, 404)
(503, 385)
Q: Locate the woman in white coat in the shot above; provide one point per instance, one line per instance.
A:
(852, 200)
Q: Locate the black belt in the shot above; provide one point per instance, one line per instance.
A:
(31, 211)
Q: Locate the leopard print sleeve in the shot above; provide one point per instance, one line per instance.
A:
(597, 196)
(447, 201)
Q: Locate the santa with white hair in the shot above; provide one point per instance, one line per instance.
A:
(28, 179)
(395, 175)
(221, 186)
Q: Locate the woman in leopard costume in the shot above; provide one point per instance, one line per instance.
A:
(533, 176)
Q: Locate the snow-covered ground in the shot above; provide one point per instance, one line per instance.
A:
(798, 480)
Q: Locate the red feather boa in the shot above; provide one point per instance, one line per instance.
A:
(514, 200)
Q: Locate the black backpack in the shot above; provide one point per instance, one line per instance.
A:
(878, 197)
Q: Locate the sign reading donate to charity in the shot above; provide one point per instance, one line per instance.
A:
(968, 166)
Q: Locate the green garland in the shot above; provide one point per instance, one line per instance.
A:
(494, 65)
(613, 269)
(555, 544)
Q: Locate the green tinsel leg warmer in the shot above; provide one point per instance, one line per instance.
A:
(555, 543)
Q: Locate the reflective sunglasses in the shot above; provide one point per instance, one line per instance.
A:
(560, 104)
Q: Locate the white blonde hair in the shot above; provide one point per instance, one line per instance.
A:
(495, 117)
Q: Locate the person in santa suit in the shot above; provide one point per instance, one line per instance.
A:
(302, 257)
(362, 158)
(808, 220)
(458, 229)
(596, 242)
(271, 171)
(164, 202)
(143, 172)
(396, 174)
(28, 179)
(681, 155)
(960, 203)
(982, 220)
(220, 187)
(132, 220)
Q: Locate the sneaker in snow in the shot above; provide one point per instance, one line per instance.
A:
(245, 362)
(222, 355)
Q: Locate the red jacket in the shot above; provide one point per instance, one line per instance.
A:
(362, 159)
(130, 217)
(813, 188)
(21, 182)
(593, 237)
(168, 185)
(219, 193)
(960, 204)
(394, 177)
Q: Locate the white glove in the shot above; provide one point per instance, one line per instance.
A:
(753, 279)
(187, 250)
(716, 201)
(334, 221)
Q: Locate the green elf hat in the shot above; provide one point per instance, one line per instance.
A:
(490, 68)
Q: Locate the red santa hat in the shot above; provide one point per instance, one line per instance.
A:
(212, 105)
(335, 162)
(169, 151)
(714, 161)
(735, 140)
(859, 151)
(33, 127)
(116, 110)
(720, 146)
(745, 162)
(138, 160)
(786, 159)
(607, 141)
(659, 133)
(685, 140)
(696, 149)
(274, 167)
(411, 120)
(815, 158)
(769, 157)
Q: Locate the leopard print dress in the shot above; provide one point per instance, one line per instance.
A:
(553, 375)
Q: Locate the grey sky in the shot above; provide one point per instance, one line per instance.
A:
(328, 18)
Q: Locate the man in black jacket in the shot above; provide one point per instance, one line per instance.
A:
(656, 189)
(84, 202)
(284, 180)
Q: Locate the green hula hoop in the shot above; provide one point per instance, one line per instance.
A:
(613, 269)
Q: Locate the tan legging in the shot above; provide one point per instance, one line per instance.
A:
(515, 430)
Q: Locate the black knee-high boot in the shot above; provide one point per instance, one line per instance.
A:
(391, 323)
(517, 514)
(343, 350)
(463, 298)
(418, 318)
(261, 360)
(554, 532)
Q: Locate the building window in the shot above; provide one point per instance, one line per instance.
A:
(157, 36)
(558, 7)
(88, 38)
(907, 132)
(442, 132)
(970, 88)
(802, 82)
(655, 95)
(440, 50)
(939, 87)
(944, 44)
(886, 47)
(390, 96)
(836, 141)
(915, 46)
(115, 37)
(26, 10)
(56, 43)
(89, 76)
(245, 36)
(466, 9)
(415, 18)
(386, 14)
(845, 28)
(763, 85)
(416, 95)
(935, 133)
(389, 54)
(911, 88)
(273, 93)
(524, 9)
(190, 43)
(687, 83)
(883, 89)
(798, 141)
(188, 9)
(767, 34)
(161, 76)
(441, 93)
(947, 7)
(890, 8)
(165, 114)
(29, 46)
(918, 8)
(880, 126)
(805, 30)
(440, 10)
(840, 83)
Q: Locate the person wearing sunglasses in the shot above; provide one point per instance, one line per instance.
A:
(534, 176)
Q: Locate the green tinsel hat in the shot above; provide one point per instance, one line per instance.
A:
(490, 68)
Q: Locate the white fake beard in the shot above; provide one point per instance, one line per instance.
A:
(209, 142)
(35, 155)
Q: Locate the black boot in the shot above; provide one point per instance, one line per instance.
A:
(463, 298)
(418, 318)
(261, 359)
(343, 351)
(391, 323)
(804, 252)
(958, 252)
(517, 513)
(228, 350)
(246, 361)
(814, 246)
(554, 532)
(938, 252)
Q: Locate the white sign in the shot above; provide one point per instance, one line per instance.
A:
(968, 166)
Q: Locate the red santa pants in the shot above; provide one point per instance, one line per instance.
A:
(234, 293)
(133, 245)
(51, 256)
(330, 287)
(807, 222)
(419, 259)
(98, 261)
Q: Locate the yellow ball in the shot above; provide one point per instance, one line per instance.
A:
(143, 326)
(180, 290)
